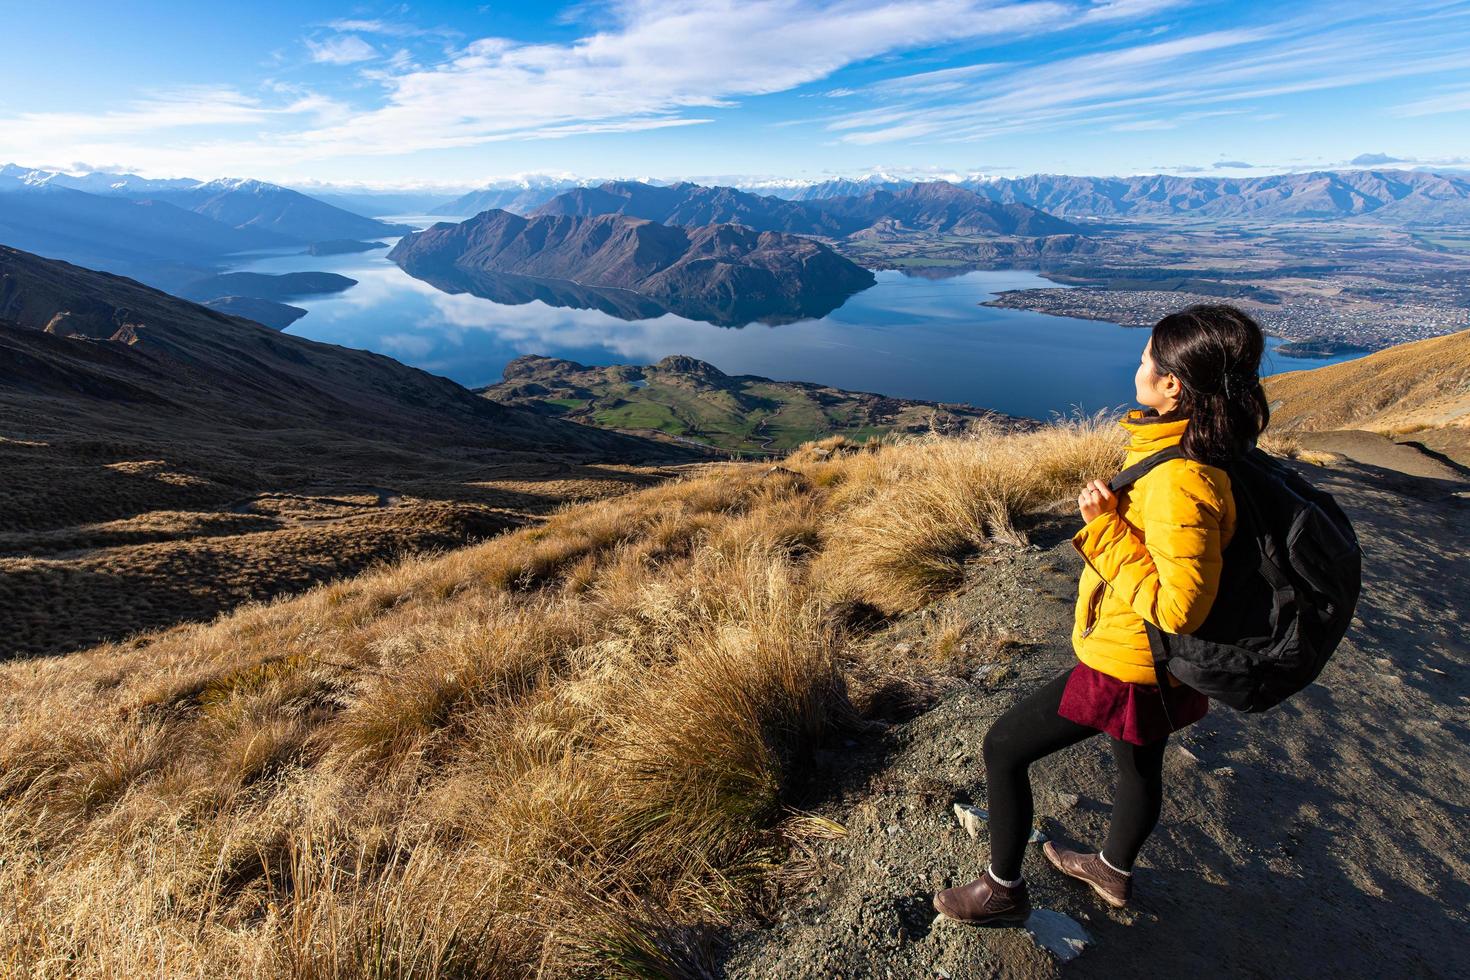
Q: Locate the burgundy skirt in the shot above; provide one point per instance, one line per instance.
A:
(1130, 712)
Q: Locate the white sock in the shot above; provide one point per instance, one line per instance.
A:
(1110, 864)
(1008, 884)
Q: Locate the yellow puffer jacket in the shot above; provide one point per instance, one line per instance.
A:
(1158, 556)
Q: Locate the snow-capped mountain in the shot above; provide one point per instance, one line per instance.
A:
(158, 230)
(520, 194)
(124, 185)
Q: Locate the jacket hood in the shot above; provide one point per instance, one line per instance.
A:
(1146, 434)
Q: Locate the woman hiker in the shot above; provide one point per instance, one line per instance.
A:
(1152, 551)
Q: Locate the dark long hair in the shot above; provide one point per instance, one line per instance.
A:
(1215, 352)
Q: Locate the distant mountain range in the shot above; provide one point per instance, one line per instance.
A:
(1394, 196)
(932, 207)
(808, 190)
(163, 231)
(243, 203)
(723, 273)
(524, 195)
(97, 182)
(240, 203)
(117, 231)
(692, 205)
(518, 196)
(942, 208)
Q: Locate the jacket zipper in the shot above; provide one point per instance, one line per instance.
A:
(1094, 600)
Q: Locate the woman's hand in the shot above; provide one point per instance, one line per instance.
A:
(1094, 499)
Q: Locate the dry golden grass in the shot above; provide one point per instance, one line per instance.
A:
(156, 571)
(95, 548)
(564, 751)
(1288, 445)
(1285, 444)
(1403, 389)
(913, 512)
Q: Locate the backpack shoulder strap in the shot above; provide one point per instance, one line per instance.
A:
(1127, 477)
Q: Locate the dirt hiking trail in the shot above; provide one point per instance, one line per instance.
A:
(1325, 838)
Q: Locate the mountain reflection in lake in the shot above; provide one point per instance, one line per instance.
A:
(905, 336)
(625, 304)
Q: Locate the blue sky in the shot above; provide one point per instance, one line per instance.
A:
(454, 95)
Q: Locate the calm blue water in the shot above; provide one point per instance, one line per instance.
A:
(905, 337)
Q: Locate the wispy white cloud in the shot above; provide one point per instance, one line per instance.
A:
(1172, 122)
(1453, 100)
(1040, 94)
(1337, 48)
(193, 106)
(653, 64)
(383, 27)
(156, 130)
(1104, 10)
(931, 82)
(661, 64)
(369, 26)
(663, 58)
(343, 49)
(611, 126)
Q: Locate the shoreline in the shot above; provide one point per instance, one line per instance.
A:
(1143, 308)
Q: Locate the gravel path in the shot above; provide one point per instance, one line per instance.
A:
(1325, 838)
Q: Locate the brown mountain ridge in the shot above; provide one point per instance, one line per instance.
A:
(164, 461)
(723, 273)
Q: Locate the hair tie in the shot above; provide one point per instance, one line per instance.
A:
(1242, 379)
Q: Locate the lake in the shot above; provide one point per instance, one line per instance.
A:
(906, 336)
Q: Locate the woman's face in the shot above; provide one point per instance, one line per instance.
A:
(1155, 391)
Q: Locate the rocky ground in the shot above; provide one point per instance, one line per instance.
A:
(1323, 838)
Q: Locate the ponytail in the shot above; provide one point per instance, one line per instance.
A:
(1215, 352)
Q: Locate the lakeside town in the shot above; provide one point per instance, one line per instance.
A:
(1313, 326)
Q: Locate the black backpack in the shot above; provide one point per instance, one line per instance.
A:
(1288, 587)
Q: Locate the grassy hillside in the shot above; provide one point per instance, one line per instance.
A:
(164, 462)
(562, 751)
(1419, 390)
(692, 400)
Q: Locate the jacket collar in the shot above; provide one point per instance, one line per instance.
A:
(1147, 435)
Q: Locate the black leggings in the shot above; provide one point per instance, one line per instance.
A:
(1032, 729)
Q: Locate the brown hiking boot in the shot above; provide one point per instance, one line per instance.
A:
(1115, 887)
(985, 902)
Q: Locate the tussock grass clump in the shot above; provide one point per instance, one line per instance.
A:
(564, 751)
(918, 508)
(1287, 444)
